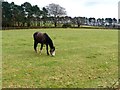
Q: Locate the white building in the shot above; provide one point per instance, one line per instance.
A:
(119, 10)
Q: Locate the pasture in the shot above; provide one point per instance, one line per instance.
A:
(84, 59)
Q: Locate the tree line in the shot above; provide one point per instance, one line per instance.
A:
(53, 15)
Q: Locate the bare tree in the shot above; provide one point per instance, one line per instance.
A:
(56, 10)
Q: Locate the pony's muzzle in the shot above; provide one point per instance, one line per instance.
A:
(53, 53)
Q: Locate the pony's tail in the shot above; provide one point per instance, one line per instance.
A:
(34, 35)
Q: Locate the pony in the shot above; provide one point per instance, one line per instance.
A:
(43, 38)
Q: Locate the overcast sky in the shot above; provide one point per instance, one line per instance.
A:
(83, 8)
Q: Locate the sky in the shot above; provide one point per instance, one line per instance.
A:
(83, 8)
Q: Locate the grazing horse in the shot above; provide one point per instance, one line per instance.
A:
(43, 38)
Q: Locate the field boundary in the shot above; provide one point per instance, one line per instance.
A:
(89, 27)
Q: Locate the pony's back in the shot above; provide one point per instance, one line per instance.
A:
(40, 37)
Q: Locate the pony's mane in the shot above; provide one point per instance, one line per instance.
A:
(49, 40)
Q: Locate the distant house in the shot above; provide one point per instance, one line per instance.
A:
(106, 24)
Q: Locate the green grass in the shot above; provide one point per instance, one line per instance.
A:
(84, 59)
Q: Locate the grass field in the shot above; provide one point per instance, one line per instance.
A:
(84, 59)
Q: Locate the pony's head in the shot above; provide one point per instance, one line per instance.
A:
(52, 51)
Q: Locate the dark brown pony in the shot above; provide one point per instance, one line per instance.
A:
(43, 38)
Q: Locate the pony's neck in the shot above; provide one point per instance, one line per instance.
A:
(50, 44)
(49, 41)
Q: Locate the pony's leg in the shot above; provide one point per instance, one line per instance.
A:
(35, 45)
(47, 49)
(41, 48)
